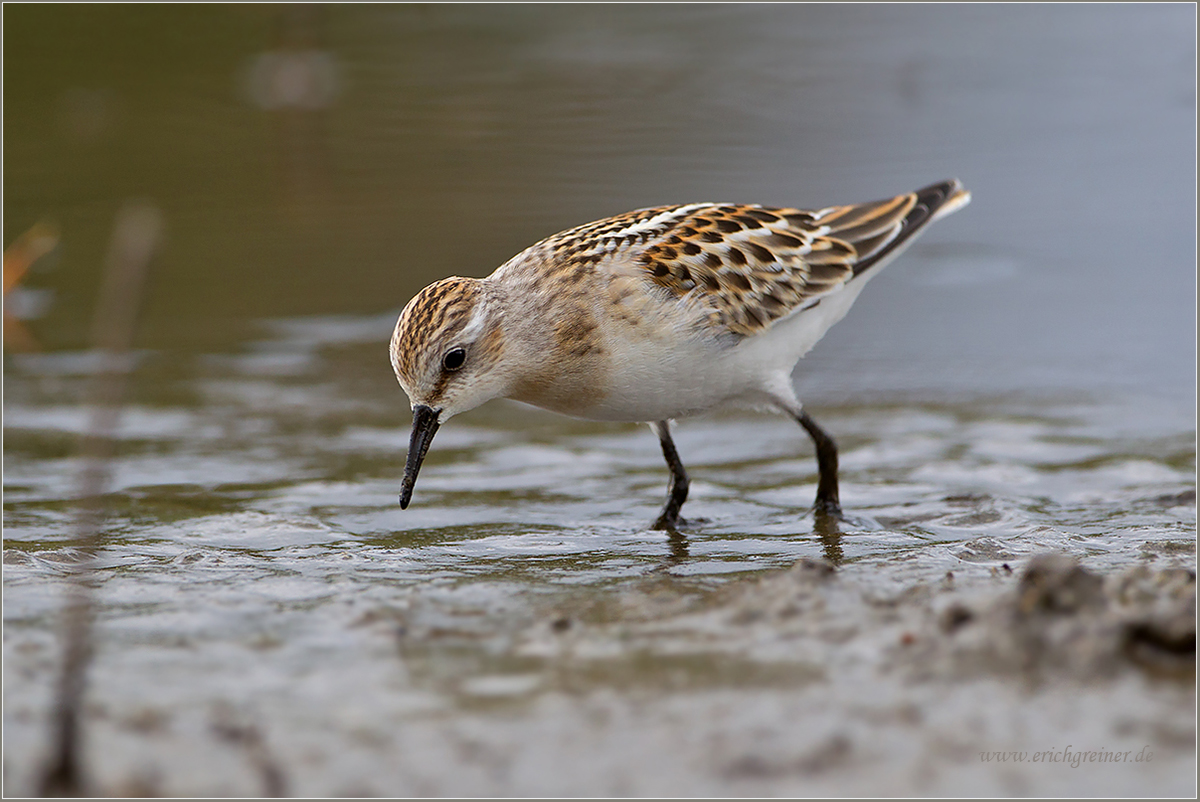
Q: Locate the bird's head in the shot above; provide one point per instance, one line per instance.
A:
(446, 352)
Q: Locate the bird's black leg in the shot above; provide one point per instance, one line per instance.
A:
(827, 464)
(677, 492)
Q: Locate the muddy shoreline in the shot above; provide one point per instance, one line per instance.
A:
(801, 682)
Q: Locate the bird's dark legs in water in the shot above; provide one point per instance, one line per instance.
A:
(827, 503)
(677, 492)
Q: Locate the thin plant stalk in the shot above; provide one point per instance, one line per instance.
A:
(136, 236)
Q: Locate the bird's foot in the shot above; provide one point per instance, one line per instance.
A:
(827, 508)
(667, 522)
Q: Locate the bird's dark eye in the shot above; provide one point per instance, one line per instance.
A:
(454, 358)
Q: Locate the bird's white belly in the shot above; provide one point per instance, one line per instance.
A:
(660, 376)
(649, 380)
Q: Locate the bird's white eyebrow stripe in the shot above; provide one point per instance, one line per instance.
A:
(475, 324)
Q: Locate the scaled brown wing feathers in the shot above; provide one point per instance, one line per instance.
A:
(747, 266)
(752, 265)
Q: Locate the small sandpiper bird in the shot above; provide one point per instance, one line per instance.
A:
(653, 315)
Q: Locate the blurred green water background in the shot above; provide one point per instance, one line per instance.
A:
(334, 159)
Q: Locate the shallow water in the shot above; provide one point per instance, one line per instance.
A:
(257, 570)
(1022, 380)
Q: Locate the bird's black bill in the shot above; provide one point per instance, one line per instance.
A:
(425, 426)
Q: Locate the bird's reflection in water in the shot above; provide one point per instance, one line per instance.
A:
(677, 546)
(826, 526)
